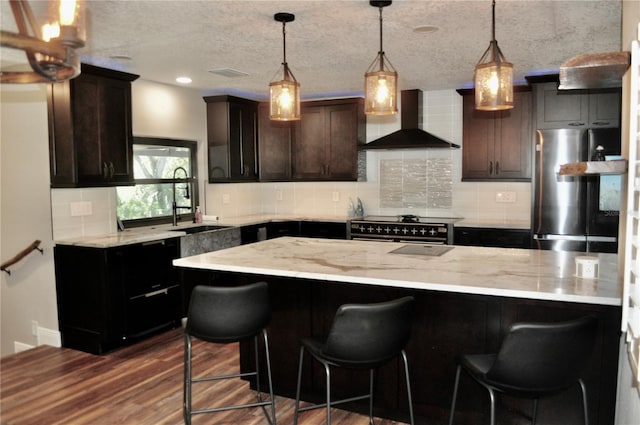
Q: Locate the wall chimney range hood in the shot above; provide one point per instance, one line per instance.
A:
(411, 135)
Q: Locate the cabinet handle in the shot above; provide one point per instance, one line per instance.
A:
(241, 147)
(105, 170)
(497, 167)
(112, 170)
(158, 292)
(490, 167)
(576, 124)
(600, 123)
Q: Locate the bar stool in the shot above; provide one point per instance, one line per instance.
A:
(225, 315)
(362, 336)
(535, 360)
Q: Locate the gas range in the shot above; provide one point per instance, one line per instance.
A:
(403, 228)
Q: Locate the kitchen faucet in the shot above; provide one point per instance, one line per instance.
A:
(175, 206)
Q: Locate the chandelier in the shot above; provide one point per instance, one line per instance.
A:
(50, 46)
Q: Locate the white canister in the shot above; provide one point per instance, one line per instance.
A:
(587, 267)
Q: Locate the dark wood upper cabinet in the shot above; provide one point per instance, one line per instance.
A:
(326, 139)
(497, 145)
(576, 108)
(232, 125)
(90, 135)
(274, 143)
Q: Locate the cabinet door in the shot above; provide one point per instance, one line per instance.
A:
(326, 140)
(231, 139)
(242, 141)
(513, 145)
(342, 148)
(477, 145)
(309, 150)
(560, 109)
(274, 143)
(604, 109)
(497, 145)
(116, 138)
(90, 138)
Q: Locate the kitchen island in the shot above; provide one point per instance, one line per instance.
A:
(466, 298)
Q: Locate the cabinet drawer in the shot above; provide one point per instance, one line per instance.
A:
(148, 267)
(152, 311)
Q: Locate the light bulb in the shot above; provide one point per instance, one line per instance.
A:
(50, 31)
(382, 91)
(493, 83)
(67, 12)
(285, 100)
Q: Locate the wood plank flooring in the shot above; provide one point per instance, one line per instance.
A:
(140, 384)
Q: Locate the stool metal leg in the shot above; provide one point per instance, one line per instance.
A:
(273, 400)
(584, 401)
(297, 406)
(406, 374)
(455, 395)
(186, 394)
(327, 372)
(371, 397)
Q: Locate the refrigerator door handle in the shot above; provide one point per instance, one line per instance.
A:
(602, 239)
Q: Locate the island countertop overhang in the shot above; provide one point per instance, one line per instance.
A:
(505, 272)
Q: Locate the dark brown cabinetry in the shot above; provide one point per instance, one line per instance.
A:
(232, 125)
(274, 142)
(576, 109)
(90, 136)
(492, 237)
(108, 297)
(497, 145)
(326, 140)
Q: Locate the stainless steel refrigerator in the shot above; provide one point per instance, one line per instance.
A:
(575, 213)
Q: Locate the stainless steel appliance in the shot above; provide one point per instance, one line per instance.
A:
(575, 213)
(402, 228)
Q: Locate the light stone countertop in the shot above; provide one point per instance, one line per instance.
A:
(164, 231)
(519, 273)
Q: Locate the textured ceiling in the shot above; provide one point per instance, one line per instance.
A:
(332, 43)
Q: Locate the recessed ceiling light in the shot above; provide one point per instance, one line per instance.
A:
(425, 28)
(183, 80)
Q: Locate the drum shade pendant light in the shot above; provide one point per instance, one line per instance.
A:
(493, 76)
(381, 79)
(284, 95)
(50, 46)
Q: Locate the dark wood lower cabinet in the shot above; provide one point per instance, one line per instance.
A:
(445, 325)
(110, 297)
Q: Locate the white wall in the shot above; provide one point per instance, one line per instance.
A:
(29, 292)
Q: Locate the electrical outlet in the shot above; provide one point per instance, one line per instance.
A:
(506, 197)
(226, 199)
(335, 196)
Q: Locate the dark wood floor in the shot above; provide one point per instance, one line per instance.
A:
(140, 384)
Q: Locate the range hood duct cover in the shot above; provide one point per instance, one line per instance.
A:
(411, 135)
(594, 71)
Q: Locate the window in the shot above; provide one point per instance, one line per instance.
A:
(164, 170)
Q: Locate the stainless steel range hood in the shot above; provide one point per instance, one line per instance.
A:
(411, 135)
(594, 71)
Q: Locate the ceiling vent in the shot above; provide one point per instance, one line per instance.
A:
(228, 72)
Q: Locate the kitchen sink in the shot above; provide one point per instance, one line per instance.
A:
(200, 229)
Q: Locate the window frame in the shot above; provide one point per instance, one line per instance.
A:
(193, 149)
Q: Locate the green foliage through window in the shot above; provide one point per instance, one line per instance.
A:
(157, 172)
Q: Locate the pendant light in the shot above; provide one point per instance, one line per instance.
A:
(493, 76)
(284, 95)
(50, 46)
(380, 80)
